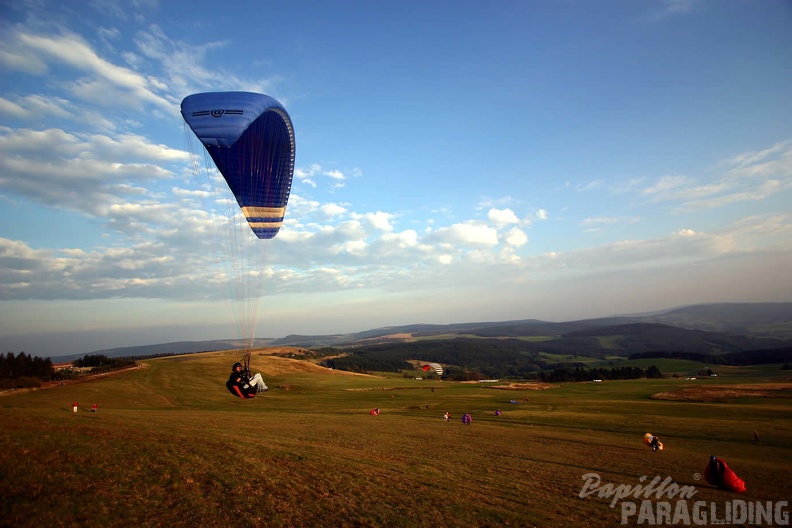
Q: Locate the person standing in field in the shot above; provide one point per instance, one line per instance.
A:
(447, 416)
(94, 407)
(75, 406)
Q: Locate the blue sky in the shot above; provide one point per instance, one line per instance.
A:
(456, 161)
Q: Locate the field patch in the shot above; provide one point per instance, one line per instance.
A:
(168, 445)
(721, 393)
(538, 386)
(279, 366)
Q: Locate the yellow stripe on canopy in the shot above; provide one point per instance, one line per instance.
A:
(264, 212)
(265, 225)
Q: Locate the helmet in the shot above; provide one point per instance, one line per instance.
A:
(237, 364)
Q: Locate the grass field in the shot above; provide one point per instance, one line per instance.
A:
(170, 447)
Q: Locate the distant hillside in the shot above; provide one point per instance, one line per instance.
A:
(756, 319)
(760, 320)
(647, 337)
(179, 347)
(465, 358)
(728, 327)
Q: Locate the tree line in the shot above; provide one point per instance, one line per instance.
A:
(737, 359)
(13, 366)
(100, 363)
(591, 374)
(18, 371)
(23, 370)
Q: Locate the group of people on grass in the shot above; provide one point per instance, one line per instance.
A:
(76, 405)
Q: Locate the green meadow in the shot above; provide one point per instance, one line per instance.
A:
(170, 447)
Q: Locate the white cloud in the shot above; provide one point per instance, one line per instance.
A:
(405, 239)
(516, 237)
(36, 107)
(470, 232)
(665, 185)
(16, 57)
(502, 217)
(309, 175)
(758, 193)
(331, 210)
(598, 221)
(758, 233)
(182, 64)
(773, 162)
(12, 109)
(110, 84)
(355, 247)
(380, 221)
(133, 146)
(77, 171)
(753, 176)
(144, 270)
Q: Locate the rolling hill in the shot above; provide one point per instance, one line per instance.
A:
(169, 446)
(705, 328)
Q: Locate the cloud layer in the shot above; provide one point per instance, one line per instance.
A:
(95, 132)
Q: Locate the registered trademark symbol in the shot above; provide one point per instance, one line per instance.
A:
(696, 476)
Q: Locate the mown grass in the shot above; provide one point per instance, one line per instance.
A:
(169, 447)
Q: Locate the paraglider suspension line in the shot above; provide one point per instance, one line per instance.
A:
(246, 361)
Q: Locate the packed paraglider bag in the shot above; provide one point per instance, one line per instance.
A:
(720, 475)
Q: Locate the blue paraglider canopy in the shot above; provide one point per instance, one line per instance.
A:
(250, 138)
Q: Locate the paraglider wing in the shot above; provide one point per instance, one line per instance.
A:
(250, 138)
(434, 366)
(653, 442)
(719, 474)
